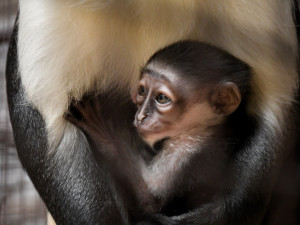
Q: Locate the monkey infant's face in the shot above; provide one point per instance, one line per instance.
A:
(169, 107)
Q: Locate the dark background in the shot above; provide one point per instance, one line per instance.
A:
(19, 202)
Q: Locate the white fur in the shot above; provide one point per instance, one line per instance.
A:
(162, 173)
(69, 47)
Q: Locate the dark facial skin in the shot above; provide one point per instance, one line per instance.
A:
(168, 105)
(159, 105)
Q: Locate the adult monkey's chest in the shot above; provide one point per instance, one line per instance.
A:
(97, 46)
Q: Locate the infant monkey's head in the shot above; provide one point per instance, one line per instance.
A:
(186, 88)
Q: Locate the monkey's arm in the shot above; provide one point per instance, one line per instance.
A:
(75, 188)
(241, 189)
(124, 165)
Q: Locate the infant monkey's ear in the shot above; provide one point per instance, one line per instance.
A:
(225, 98)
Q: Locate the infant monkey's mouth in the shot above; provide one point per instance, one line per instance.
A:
(158, 145)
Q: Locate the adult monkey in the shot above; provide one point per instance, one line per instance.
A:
(63, 49)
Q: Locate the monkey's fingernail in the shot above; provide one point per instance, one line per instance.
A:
(67, 115)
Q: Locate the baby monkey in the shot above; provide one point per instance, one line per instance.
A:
(191, 112)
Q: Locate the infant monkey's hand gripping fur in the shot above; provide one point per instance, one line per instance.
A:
(88, 116)
(122, 163)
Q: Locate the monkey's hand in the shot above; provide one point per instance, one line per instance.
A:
(88, 116)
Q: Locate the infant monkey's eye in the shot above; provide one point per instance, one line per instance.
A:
(142, 91)
(162, 99)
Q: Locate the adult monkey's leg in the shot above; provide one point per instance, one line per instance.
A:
(85, 195)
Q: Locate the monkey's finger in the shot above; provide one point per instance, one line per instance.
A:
(87, 101)
(86, 105)
(76, 105)
(73, 120)
(92, 104)
(76, 111)
(96, 104)
(68, 116)
(81, 109)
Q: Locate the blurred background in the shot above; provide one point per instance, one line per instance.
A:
(19, 202)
